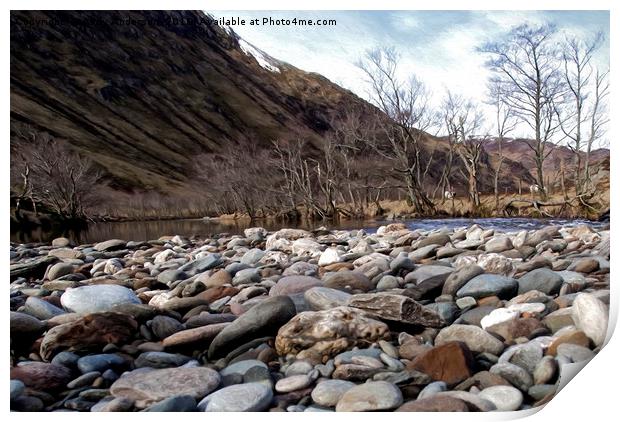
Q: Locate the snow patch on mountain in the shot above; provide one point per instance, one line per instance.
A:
(261, 58)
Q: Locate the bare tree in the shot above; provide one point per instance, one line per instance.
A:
(525, 69)
(346, 139)
(445, 180)
(505, 123)
(54, 175)
(236, 177)
(598, 119)
(577, 57)
(304, 177)
(463, 120)
(399, 138)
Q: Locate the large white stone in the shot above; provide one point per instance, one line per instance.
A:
(504, 397)
(497, 316)
(97, 298)
(591, 316)
(329, 256)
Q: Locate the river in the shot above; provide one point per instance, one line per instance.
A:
(148, 230)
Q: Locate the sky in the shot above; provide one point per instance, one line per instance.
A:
(437, 46)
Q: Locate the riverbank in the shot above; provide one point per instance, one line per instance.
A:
(452, 320)
(200, 228)
(512, 206)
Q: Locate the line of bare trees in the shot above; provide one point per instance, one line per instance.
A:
(553, 86)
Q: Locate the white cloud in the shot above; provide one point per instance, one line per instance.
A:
(438, 46)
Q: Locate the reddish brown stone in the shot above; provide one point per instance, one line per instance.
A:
(434, 404)
(338, 266)
(451, 362)
(215, 293)
(586, 265)
(490, 301)
(195, 335)
(42, 376)
(216, 279)
(87, 332)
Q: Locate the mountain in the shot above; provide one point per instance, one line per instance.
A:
(142, 95)
(560, 157)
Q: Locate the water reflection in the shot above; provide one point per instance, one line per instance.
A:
(149, 230)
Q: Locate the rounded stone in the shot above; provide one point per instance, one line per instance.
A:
(349, 281)
(58, 270)
(514, 374)
(252, 256)
(17, 388)
(322, 298)
(164, 326)
(459, 278)
(99, 362)
(263, 319)
(451, 363)
(24, 324)
(299, 367)
(387, 282)
(434, 403)
(84, 380)
(591, 316)
(97, 298)
(545, 370)
(61, 242)
(42, 376)
(485, 285)
(328, 392)
(151, 386)
(251, 397)
(575, 352)
(160, 360)
(371, 396)
(293, 383)
(541, 279)
(503, 397)
(476, 339)
(41, 309)
(65, 358)
(329, 256)
(498, 316)
(246, 276)
(498, 244)
(294, 284)
(432, 389)
(242, 367)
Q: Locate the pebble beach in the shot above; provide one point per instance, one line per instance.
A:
(415, 320)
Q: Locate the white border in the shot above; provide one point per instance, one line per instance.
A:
(591, 395)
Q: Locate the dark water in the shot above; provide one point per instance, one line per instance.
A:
(148, 230)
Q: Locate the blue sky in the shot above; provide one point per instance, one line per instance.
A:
(438, 46)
